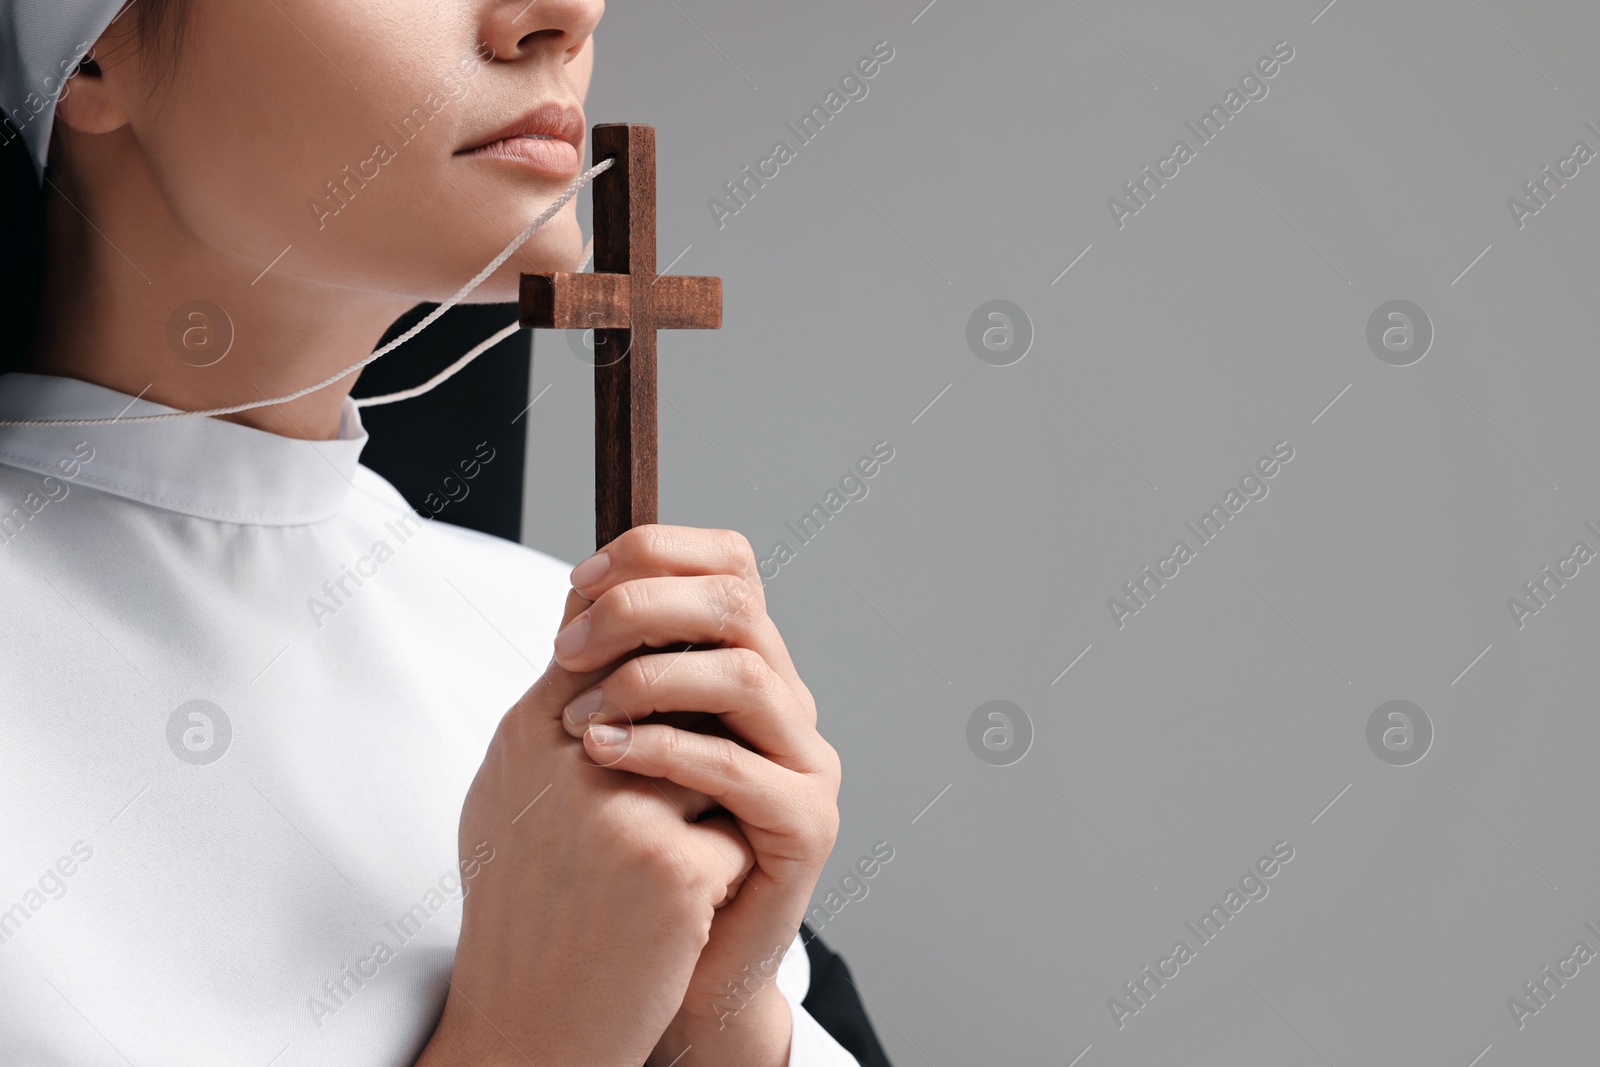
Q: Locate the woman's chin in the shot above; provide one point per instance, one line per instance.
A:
(557, 248)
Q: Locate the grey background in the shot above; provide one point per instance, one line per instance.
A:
(1224, 317)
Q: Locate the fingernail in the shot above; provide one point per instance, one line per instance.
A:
(605, 734)
(570, 641)
(591, 570)
(583, 705)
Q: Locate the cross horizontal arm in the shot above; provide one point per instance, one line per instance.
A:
(605, 301)
(680, 302)
(574, 301)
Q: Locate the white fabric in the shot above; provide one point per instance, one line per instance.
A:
(41, 43)
(155, 910)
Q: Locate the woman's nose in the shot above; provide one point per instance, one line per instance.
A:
(516, 29)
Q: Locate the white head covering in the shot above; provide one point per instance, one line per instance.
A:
(41, 43)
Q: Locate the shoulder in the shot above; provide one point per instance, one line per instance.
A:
(465, 555)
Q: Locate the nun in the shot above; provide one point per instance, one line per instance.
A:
(294, 774)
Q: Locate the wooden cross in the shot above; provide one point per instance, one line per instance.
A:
(625, 302)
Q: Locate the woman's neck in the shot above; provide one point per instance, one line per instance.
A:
(135, 303)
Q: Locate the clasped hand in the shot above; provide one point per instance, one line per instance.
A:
(665, 859)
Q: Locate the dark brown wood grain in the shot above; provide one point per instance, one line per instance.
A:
(559, 302)
(574, 301)
(625, 303)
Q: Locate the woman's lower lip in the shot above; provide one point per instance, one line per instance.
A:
(553, 157)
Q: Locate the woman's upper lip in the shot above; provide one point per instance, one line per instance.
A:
(554, 120)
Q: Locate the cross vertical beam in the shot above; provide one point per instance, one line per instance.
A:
(625, 303)
(625, 403)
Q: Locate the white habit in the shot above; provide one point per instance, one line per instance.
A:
(244, 691)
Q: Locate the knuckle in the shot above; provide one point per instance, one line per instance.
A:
(748, 670)
(830, 823)
(632, 822)
(831, 765)
(615, 816)
(739, 550)
(725, 762)
(659, 745)
(633, 684)
(658, 857)
(657, 853)
(627, 604)
(648, 546)
(512, 725)
(734, 599)
(680, 747)
(666, 746)
(714, 757)
(819, 830)
(520, 730)
(663, 862)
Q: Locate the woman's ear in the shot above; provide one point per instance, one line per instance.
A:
(86, 104)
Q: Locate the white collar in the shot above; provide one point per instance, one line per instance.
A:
(204, 467)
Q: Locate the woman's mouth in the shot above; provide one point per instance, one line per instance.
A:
(541, 151)
(546, 140)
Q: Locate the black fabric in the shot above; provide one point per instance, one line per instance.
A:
(835, 1003)
(433, 448)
